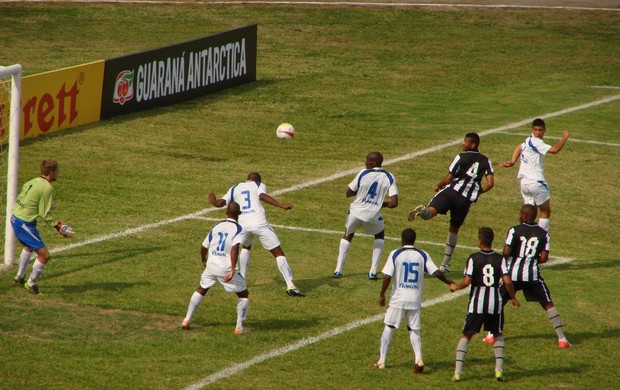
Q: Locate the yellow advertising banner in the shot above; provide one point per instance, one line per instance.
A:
(60, 99)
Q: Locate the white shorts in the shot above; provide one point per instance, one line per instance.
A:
(266, 235)
(535, 192)
(373, 227)
(236, 284)
(393, 316)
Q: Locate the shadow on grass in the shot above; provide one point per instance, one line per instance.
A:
(575, 338)
(105, 286)
(307, 285)
(283, 324)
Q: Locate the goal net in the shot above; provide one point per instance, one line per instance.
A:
(10, 97)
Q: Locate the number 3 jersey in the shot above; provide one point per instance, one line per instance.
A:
(485, 268)
(371, 186)
(406, 266)
(247, 194)
(527, 241)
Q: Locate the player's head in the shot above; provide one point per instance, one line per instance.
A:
(485, 237)
(374, 159)
(255, 177)
(49, 169)
(233, 210)
(408, 237)
(471, 142)
(538, 128)
(528, 213)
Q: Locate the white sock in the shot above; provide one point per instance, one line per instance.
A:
(416, 343)
(242, 311)
(544, 223)
(377, 249)
(386, 339)
(498, 348)
(554, 317)
(24, 259)
(285, 270)
(37, 269)
(194, 302)
(342, 254)
(461, 352)
(244, 261)
(450, 245)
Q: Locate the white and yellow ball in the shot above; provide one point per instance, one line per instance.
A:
(285, 132)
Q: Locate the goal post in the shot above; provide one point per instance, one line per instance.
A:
(10, 115)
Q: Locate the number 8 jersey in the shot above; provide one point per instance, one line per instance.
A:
(485, 268)
(406, 266)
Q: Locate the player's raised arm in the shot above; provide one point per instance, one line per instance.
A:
(515, 156)
(216, 202)
(268, 199)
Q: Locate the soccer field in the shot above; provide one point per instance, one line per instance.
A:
(408, 82)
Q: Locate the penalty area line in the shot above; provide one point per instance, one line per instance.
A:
(274, 353)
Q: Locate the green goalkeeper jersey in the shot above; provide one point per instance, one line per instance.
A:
(34, 201)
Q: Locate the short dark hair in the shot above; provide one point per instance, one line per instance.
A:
(486, 236)
(473, 137)
(539, 122)
(408, 236)
(48, 166)
(377, 157)
(529, 211)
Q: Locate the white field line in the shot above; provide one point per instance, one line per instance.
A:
(323, 4)
(579, 141)
(604, 87)
(332, 177)
(238, 367)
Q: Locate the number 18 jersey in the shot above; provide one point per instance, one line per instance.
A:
(406, 266)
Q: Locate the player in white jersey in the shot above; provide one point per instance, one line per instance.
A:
(370, 186)
(404, 270)
(222, 248)
(534, 188)
(249, 195)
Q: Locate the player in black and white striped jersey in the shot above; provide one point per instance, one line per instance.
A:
(458, 190)
(526, 246)
(485, 271)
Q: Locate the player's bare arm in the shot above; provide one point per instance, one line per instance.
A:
(384, 286)
(392, 204)
(444, 182)
(544, 256)
(515, 156)
(511, 291)
(268, 199)
(560, 144)
(203, 255)
(216, 202)
(350, 192)
(464, 283)
(234, 255)
(489, 183)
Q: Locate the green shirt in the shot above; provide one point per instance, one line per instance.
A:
(34, 201)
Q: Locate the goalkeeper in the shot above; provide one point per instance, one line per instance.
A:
(35, 201)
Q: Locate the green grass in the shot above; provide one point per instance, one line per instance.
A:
(351, 80)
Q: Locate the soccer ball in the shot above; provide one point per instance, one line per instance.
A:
(67, 231)
(285, 132)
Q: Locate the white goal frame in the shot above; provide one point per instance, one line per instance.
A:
(15, 71)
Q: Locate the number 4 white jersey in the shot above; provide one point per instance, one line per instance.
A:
(371, 186)
(247, 194)
(406, 266)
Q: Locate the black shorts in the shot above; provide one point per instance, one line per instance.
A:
(492, 323)
(457, 204)
(536, 291)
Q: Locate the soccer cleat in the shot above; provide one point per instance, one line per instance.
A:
(564, 344)
(379, 365)
(456, 377)
(489, 339)
(185, 325)
(499, 376)
(337, 275)
(293, 292)
(372, 276)
(418, 368)
(240, 331)
(415, 212)
(34, 289)
(444, 269)
(19, 279)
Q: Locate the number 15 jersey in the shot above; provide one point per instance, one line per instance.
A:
(406, 266)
